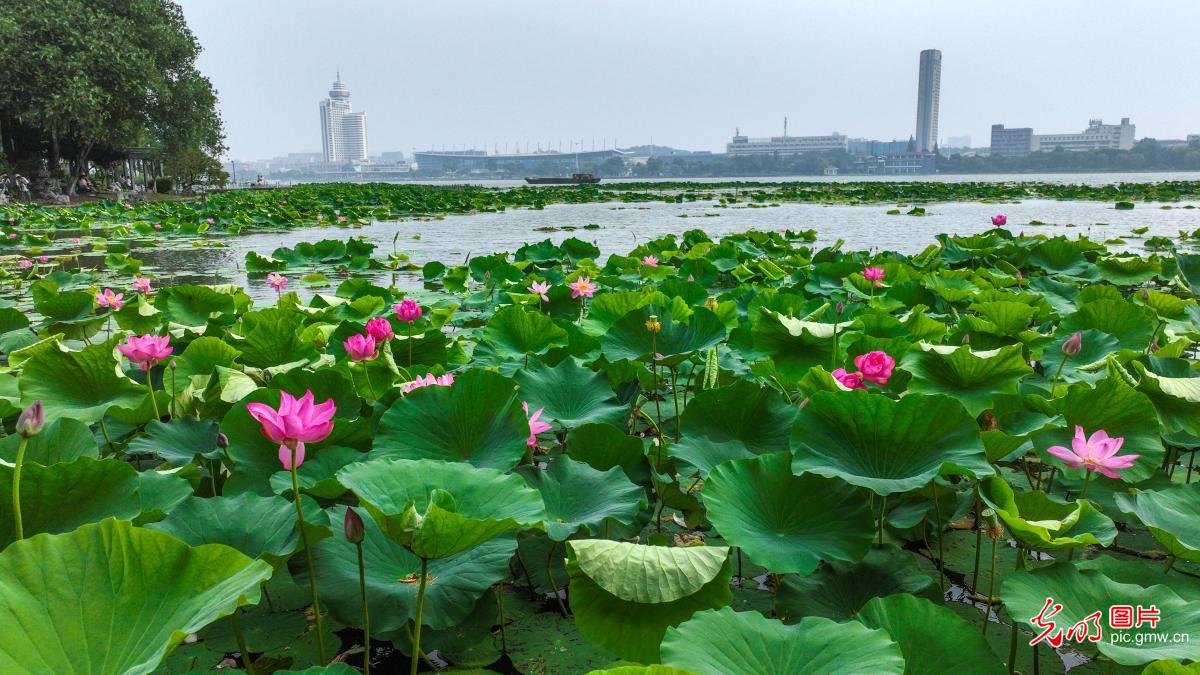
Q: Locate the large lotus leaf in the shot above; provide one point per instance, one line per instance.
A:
(437, 509)
(1121, 411)
(393, 575)
(192, 305)
(578, 496)
(625, 596)
(974, 378)
(1171, 667)
(516, 333)
(725, 642)
(478, 420)
(61, 497)
(950, 289)
(603, 446)
(1128, 270)
(273, 337)
(629, 339)
(1086, 366)
(113, 598)
(838, 590)
(733, 422)
(571, 393)
(787, 523)
(1008, 316)
(318, 475)
(63, 440)
(655, 669)
(179, 441)
(887, 445)
(1039, 522)
(1084, 591)
(1061, 256)
(795, 345)
(933, 638)
(1170, 515)
(82, 385)
(1177, 399)
(260, 527)
(1132, 325)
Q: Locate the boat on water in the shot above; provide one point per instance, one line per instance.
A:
(575, 179)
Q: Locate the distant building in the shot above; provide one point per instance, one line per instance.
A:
(958, 142)
(1097, 136)
(1011, 142)
(479, 161)
(785, 145)
(343, 132)
(929, 93)
(1171, 143)
(1193, 138)
(391, 156)
(869, 148)
(898, 164)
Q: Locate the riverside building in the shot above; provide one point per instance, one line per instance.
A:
(343, 131)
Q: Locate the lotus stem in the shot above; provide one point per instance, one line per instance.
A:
(1012, 643)
(1170, 564)
(16, 488)
(424, 657)
(416, 655)
(1057, 372)
(212, 476)
(528, 579)
(366, 615)
(503, 628)
(739, 557)
(308, 561)
(367, 375)
(174, 392)
(978, 540)
(153, 400)
(550, 578)
(882, 517)
(675, 395)
(654, 369)
(991, 589)
(937, 508)
(107, 438)
(408, 336)
(241, 643)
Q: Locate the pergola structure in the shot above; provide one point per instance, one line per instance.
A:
(145, 161)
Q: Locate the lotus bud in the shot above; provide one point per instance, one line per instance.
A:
(222, 441)
(711, 303)
(1019, 275)
(1073, 344)
(29, 424)
(172, 365)
(652, 324)
(966, 339)
(1154, 346)
(352, 526)
(1144, 294)
(839, 308)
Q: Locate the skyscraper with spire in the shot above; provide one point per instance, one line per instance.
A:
(929, 92)
(343, 132)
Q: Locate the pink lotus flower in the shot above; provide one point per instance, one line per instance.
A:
(582, 288)
(43, 259)
(12, 235)
(75, 240)
(875, 366)
(295, 423)
(1000, 220)
(360, 347)
(320, 217)
(849, 380)
(429, 381)
(874, 275)
(541, 288)
(650, 261)
(158, 226)
(1098, 453)
(25, 263)
(277, 281)
(107, 298)
(210, 221)
(536, 426)
(408, 310)
(341, 219)
(141, 285)
(147, 350)
(380, 329)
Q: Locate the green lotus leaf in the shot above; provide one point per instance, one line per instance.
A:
(1086, 366)
(838, 590)
(259, 527)
(82, 385)
(1008, 316)
(393, 575)
(625, 596)
(1132, 325)
(1128, 270)
(272, 337)
(603, 446)
(477, 420)
(950, 289)
(738, 421)
(516, 333)
(571, 393)
(933, 638)
(795, 345)
(656, 669)
(179, 441)
(318, 475)
(725, 642)
(1170, 515)
(113, 598)
(63, 440)
(1177, 399)
(887, 445)
(1121, 411)
(437, 509)
(191, 305)
(69, 314)
(1084, 591)
(629, 339)
(1060, 255)
(577, 496)
(785, 522)
(1039, 522)
(974, 378)
(1171, 667)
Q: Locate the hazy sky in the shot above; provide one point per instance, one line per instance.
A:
(459, 73)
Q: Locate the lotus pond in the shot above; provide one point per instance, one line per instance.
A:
(758, 451)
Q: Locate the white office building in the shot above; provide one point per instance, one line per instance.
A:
(785, 145)
(929, 99)
(1097, 136)
(343, 132)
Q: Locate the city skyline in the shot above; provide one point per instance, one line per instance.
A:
(541, 71)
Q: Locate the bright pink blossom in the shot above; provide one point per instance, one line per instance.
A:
(429, 381)
(1098, 453)
(43, 259)
(296, 422)
(999, 220)
(875, 366)
(536, 426)
(650, 261)
(541, 288)
(107, 298)
(210, 221)
(874, 275)
(141, 285)
(146, 350)
(341, 219)
(277, 281)
(380, 329)
(408, 310)
(849, 380)
(75, 240)
(360, 347)
(12, 235)
(25, 263)
(158, 226)
(582, 288)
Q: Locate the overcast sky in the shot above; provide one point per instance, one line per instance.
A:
(459, 73)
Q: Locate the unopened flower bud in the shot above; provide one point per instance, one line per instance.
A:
(839, 308)
(1073, 344)
(222, 441)
(29, 424)
(652, 324)
(352, 526)
(966, 339)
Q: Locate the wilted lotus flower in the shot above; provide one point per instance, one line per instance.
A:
(540, 289)
(875, 366)
(582, 288)
(277, 281)
(849, 380)
(650, 261)
(360, 347)
(536, 426)
(408, 310)
(874, 274)
(999, 220)
(296, 422)
(380, 329)
(147, 350)
(141, 285)
(1096, 454)
(1073, 344)
(30, 422)
(107, 298)
(352, 527)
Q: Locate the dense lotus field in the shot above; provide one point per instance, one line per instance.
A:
(735, 456)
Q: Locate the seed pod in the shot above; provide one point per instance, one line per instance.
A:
(652, 324)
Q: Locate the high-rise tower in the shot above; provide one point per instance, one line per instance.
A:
(343, 132)
(929, 90)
